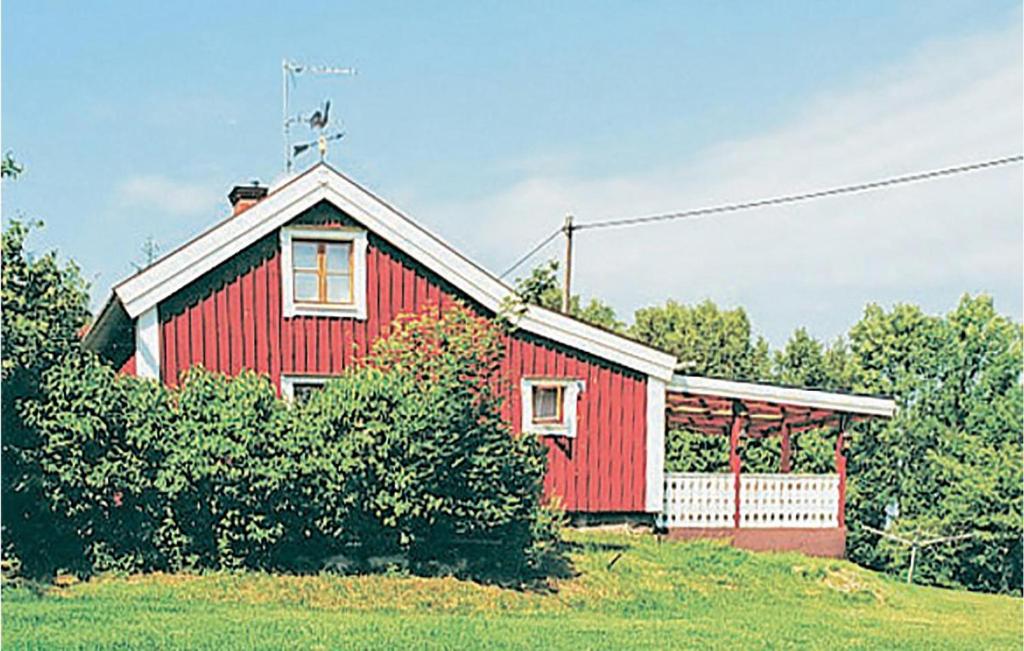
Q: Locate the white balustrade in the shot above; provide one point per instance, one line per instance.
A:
(766, 500)
(698, 499)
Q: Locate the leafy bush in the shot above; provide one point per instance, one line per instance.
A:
(429, 469)
(812, 452)
(100, 445)
(45, 304)
(403, 458)
(219, 471)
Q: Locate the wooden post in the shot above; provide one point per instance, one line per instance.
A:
(738, 421)
(841, 471)
(567, 290)
(784, 464)
(913, 558)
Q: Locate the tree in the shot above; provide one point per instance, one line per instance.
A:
(805, 362)
(9, 167)
(950, 461)
(150, 251)
(45, 305)
(801, 362)
(706, 339)
(542, 287)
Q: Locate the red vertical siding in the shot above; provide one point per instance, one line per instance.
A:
(128, 368)
(261, 320)
(275, 353)
(238, 323)
(184, 347)
(168, 354)
(235, 325)
(209, 334)
(248, 323)
(223, 341)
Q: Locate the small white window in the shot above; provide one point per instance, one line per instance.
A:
(549, 405)
(298, 388)
(323, 272)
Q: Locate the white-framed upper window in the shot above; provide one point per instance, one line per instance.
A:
(298, 388)
(323, 271)
(549, 405)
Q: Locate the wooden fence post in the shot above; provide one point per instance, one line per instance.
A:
(841, 470)
(738, 422)
(784, 463)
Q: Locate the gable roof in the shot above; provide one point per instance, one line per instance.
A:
(171, 273)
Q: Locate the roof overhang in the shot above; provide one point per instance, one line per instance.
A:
(173, 272)
(711, 405)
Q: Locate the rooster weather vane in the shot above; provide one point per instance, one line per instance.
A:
(318, 121)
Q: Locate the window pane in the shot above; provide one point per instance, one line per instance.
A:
(545, 403)
(306, 286)
(337, 256)
(302, 392)
(338, 289)
(304, 255)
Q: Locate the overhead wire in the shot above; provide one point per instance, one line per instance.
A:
(772, 201)
(532, 252)
(806, 196)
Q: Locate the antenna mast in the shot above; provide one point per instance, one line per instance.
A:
(290, 70)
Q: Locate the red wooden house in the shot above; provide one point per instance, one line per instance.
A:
(300, 280)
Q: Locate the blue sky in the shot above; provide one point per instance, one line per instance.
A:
(487, 122)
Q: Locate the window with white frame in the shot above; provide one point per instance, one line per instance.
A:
(549, 405)
(323, 271)
(299, 388)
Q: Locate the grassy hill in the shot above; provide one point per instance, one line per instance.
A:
(668, 595)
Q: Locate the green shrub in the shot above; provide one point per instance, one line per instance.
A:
(408, 455)
(404, 458)
(686, 451)
(45, 304)
(101, 440)
(345, 455)
(219, 470)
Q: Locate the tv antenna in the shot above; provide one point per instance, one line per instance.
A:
(318, 120)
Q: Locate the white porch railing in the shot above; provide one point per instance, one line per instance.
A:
(698, 499)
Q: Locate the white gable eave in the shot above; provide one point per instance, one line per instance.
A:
(175, 271)
(850, 403)
(189, 262)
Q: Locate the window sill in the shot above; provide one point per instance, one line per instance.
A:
(335, 311)
(551, 430)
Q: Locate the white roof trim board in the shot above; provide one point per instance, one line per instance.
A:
(840, 402)
(183, 266)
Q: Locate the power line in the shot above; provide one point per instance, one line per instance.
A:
(773, 201)
(533, 251)
(793, 198)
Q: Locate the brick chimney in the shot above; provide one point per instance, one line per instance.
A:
(243, 197)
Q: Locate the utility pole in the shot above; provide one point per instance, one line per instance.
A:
(567, 292)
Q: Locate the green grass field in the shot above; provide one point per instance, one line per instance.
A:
(658, 596)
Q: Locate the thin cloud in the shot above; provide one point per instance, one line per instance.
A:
(953, 102)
